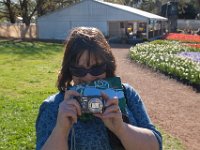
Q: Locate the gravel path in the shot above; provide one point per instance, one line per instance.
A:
(172, 106)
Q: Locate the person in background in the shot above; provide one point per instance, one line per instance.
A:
(88, 57)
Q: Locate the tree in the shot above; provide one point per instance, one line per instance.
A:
(51, 5)
(152, 6)
(24, 8)
(188, 9)
(8, 10)
(187, 12)
(29, 8)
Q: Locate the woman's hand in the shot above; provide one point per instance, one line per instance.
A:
(112, 116)
(68, 112)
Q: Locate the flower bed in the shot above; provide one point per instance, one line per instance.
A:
(195, 56)
(183, 37)
(165, 56)
(193, 45)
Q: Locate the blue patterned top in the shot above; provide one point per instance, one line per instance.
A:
(91, 134)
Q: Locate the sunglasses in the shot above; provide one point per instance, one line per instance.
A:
(94, 70)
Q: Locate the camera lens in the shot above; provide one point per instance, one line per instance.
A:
(95, 105)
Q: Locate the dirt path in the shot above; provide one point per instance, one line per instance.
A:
(173, 106)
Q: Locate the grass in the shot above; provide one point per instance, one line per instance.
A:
(28, 76)
(170, 142)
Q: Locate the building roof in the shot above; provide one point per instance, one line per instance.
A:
(128, 9)
(133, 10)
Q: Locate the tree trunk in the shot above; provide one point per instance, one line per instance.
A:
(11, 14)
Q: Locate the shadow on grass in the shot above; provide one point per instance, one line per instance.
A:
(23, 48)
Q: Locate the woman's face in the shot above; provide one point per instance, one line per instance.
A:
(83, 64)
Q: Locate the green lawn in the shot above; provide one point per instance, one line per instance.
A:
(28, 73)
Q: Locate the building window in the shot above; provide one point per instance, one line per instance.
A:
(121, 24)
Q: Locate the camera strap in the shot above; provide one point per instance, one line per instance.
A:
(73, 140)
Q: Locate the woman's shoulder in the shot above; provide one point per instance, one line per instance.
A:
(131, 94)
(54, 98)
(52, 101)
(128, 88)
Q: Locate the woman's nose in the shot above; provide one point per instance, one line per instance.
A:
(89, 78)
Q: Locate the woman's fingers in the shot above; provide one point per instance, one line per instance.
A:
(108, 101)
(69, 94)
(73, 103)
(69, 110)
(112, 116)
(111, 106)
(67, 114)
(105, 96)
(69, 99)
(112, 109)
(70, 113)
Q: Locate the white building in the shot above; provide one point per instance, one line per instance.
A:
(113, 20)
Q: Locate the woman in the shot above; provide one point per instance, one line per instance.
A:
(88, 57)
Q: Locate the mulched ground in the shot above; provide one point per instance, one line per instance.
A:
(172, 106)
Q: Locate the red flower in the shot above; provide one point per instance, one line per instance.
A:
(183, 37)
(194, 45)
